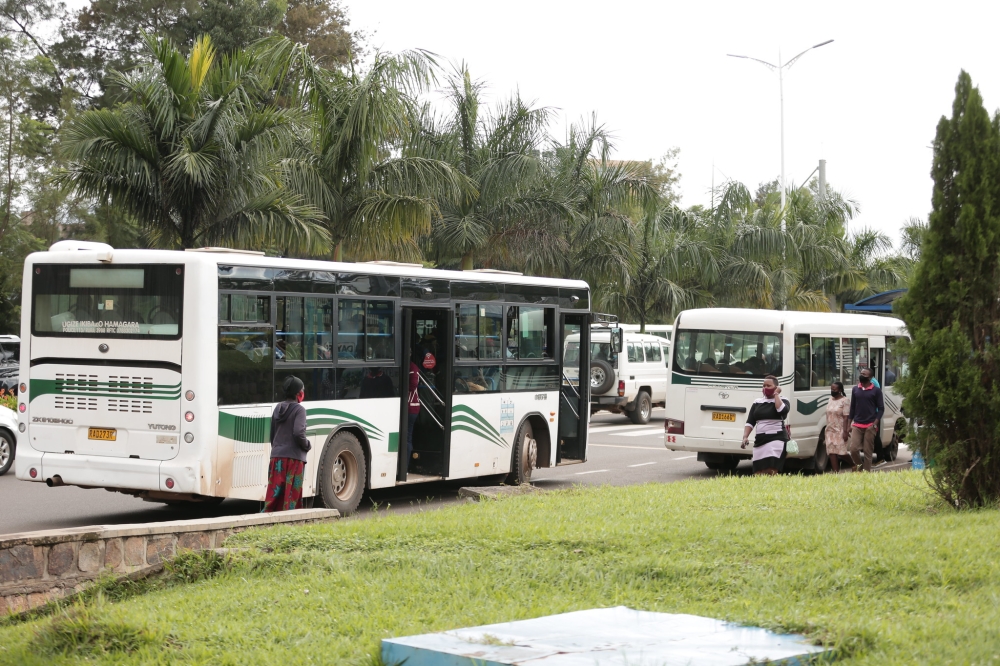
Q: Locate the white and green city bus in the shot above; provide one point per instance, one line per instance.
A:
(721, 356)
(155, 373)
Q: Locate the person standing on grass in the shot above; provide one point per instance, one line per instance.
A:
(867, 407)
(838, 427)
(768, 415)
(289, 446)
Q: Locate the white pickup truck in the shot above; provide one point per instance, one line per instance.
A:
(632, 382)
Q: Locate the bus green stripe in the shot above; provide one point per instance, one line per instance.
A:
(461, 422)
(40, 387)
(476, 415)
(478, 434)
(316, 411)
(257, 429)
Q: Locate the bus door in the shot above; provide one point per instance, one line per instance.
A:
(426, 363)
(574, 395)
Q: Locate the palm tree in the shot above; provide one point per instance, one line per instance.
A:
(765, 264)
(670, 267)
(607, 197)
(870, 268)
(513, 220)
(194, 153)
(377, 199)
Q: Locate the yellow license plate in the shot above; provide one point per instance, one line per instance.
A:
(721, 416)
(106, 434)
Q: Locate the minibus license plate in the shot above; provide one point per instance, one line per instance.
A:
(106, 434)
(716, 416)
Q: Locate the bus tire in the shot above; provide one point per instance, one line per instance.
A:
(342, 473)
(643, 409)
(602, 376)
(8, 449)
(524, 456)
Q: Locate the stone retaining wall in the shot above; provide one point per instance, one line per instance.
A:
(38, 567)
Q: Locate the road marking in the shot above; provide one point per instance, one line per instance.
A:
(642, 433)
(684, 457)
(615, 428)
(593, 471)
(643, 464)
(622, 446)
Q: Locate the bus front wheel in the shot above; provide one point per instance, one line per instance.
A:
(525, 456)
(342, 473)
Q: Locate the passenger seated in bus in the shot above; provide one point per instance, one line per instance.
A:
(376, 384)
(708, 365)
(756, 365)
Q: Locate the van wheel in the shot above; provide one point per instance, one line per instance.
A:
(342, 473)
(643, 408)
(525, 456)
(602, 376)
(8, 448)
(821, 461)
(890, 452)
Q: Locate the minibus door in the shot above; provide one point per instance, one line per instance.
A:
(426, 333)
(574, 393)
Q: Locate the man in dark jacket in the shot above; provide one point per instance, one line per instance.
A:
(289, 446)
(867, 407)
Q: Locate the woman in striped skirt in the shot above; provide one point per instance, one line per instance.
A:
(767, 415)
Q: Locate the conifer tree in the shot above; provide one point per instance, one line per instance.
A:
(952, 310)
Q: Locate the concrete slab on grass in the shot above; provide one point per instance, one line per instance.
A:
(492, 492)
(606, 636)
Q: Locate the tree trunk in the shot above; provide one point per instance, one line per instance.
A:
(467, 264)
(338, 252)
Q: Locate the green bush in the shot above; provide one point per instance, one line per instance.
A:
(952, 311)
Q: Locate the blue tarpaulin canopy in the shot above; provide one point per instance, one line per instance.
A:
(878, 303)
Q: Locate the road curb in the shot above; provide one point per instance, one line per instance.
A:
(39, 567)
(477, 493)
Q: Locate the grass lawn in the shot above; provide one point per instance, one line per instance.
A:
(872, 564)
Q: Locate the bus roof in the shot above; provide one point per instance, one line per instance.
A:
(236, 258)
(740, 319)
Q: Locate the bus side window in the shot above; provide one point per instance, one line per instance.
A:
(895, 362)
(803, 371)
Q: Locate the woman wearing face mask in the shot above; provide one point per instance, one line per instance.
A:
(838, 427)
(768, 415)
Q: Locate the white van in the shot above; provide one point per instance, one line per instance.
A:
(632, 382)
(659, 330)
(721, 356)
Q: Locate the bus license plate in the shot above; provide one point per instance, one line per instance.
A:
(106, 434)
(724, 416)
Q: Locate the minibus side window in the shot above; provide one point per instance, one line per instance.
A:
(802, 369)
(826, 369)
(895, 363)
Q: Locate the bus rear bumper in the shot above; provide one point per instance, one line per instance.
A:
(105, 472)
(705, 445)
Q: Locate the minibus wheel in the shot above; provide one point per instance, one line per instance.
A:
(821, 461)
(525, 456)
(342, 473)
(892, 450)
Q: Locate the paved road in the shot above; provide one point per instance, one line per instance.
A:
(620, 453)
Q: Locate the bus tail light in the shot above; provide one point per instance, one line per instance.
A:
(621, 388)
(169, 483)
(22, 407)
(23, 387)
(674, 427)
(189, 416)
(33, 473)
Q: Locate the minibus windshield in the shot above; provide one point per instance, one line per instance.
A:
(701, 352)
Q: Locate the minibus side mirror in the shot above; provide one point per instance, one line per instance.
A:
(616, 340)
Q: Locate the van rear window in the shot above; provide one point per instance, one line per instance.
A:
(712, 353)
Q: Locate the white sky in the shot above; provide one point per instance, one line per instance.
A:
(657, 74)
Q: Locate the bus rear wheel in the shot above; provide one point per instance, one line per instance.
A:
(525, 456)
(342, 473)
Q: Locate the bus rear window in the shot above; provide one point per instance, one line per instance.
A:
(728, 353)
(107, 301)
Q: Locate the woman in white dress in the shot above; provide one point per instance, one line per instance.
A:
(838, 427)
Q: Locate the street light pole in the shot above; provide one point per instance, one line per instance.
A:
(780, 68)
